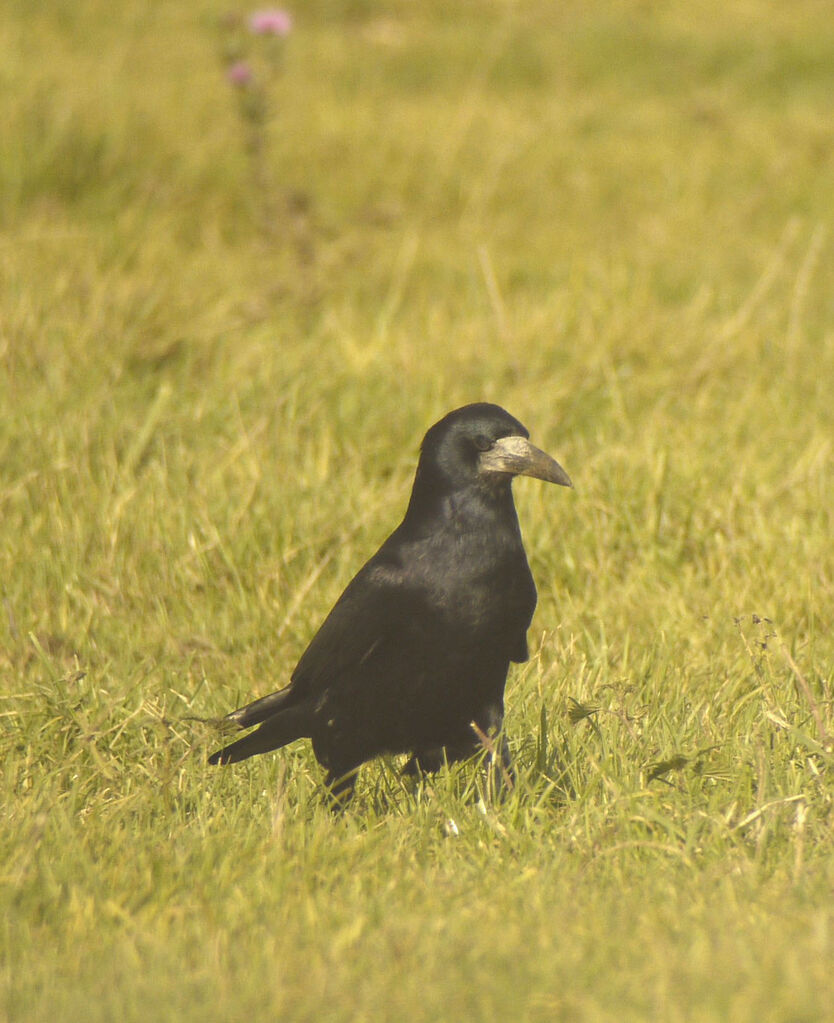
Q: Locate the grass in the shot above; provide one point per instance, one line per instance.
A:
(612, 218)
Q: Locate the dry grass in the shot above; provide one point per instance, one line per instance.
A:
(616, 222)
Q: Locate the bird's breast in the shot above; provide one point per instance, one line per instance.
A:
(483, 591)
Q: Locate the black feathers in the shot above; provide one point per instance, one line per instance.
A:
(419, 644)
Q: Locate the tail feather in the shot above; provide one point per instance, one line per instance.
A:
(275, 732)
(259, 710)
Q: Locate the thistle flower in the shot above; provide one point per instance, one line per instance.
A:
(239, 73)
(273, 22)
(252, 50)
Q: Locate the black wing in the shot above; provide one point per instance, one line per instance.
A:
(376, 608)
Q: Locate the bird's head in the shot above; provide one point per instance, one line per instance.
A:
(482, 445)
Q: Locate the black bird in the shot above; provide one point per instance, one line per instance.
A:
(414, 656)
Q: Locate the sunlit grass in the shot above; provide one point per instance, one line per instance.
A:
(612, 220)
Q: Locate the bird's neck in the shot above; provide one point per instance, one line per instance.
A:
(464, 509)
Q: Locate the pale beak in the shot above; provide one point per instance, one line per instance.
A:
(516, 456)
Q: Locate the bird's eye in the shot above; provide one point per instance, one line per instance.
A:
(483, 443)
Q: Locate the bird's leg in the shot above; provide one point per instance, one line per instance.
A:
(505, 775)
(340, 785)
(425, 761)
(486, 735)
(487, 728)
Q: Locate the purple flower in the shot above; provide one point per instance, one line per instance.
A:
(239, 74)
(273, 22)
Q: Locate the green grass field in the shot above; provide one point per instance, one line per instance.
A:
(613, 218)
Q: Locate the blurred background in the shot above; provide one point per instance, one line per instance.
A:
(244, 269)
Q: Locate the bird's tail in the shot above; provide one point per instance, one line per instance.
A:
(275, 732)
(259, 710)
